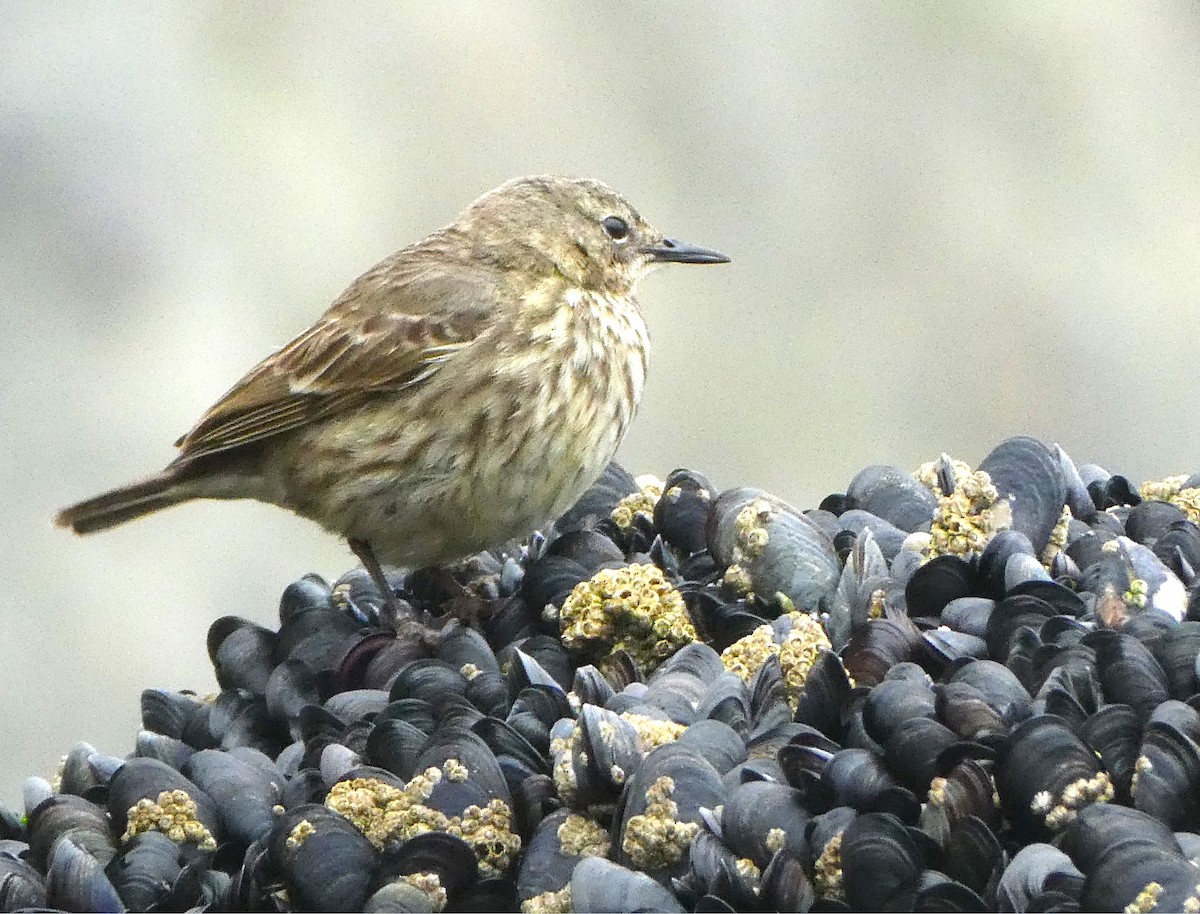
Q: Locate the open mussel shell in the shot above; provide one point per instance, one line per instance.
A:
(1166, 779)
(779, 550)
(174, 714)
(79, 775)
(243, 653)
(1040, 877)
(602, 755)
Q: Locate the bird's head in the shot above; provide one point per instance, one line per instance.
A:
(576, 227)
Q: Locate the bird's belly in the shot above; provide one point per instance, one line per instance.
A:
(427, 491)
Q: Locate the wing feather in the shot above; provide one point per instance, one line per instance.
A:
(389, 332)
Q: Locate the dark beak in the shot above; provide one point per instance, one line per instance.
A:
(671, 251)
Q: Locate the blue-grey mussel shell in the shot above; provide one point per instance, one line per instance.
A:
(599, 885)
(776, 548)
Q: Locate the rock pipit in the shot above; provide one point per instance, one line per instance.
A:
(464, 391)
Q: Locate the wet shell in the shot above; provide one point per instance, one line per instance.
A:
(778, 549)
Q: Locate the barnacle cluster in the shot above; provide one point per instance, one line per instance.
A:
(651, 731)
(750, 538)
(797, 651)
(1058, 537)
(583, 837)
(301, 832)
(947, 658)
(928, 472)
(748, 870)
(1146, 900)
(640, 502)
(173, 814)
(385, 813)
(655, 839)
(968, 517)
(1076, 795)
(827, 870)
(549, 903)
(1172, 489)
(633, 608)
(429, 885)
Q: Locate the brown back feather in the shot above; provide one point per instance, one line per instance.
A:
(388, 332)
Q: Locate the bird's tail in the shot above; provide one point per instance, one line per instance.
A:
(125, 503)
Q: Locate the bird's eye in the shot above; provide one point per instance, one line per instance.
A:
(616, 228)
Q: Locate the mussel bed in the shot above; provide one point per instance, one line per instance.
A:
(944, 690)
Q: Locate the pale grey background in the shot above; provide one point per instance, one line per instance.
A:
(949, 224)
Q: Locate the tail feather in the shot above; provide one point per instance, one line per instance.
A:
(124, 504)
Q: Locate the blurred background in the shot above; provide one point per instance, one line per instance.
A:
(949, 223)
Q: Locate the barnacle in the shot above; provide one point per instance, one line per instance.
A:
(748, 870)
(1058, 537)
(968, 517)
(827, 870)
(655, 839)
(430, 885)
(651, 731)
(455, 770)
(1146, 900)
(488, 829)
(927, 473)
(1076, 795)
(300, 833)
(750, 530)
(384, 813)
(633, 608)
(797, 650)
(173, 814)
(937, 791)
(563, 770)
(640, 502)
(549, 903)
(1191, 904)
(776, 840)
(749, 652)
(580, 836)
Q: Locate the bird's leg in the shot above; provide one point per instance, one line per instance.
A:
(366, 555)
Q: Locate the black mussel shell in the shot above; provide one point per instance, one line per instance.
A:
(330, 868)
(1028, 473)
(881, 863)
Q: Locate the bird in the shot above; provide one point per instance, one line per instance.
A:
(460, 394)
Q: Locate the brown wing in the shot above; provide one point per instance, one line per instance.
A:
(389, 331)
